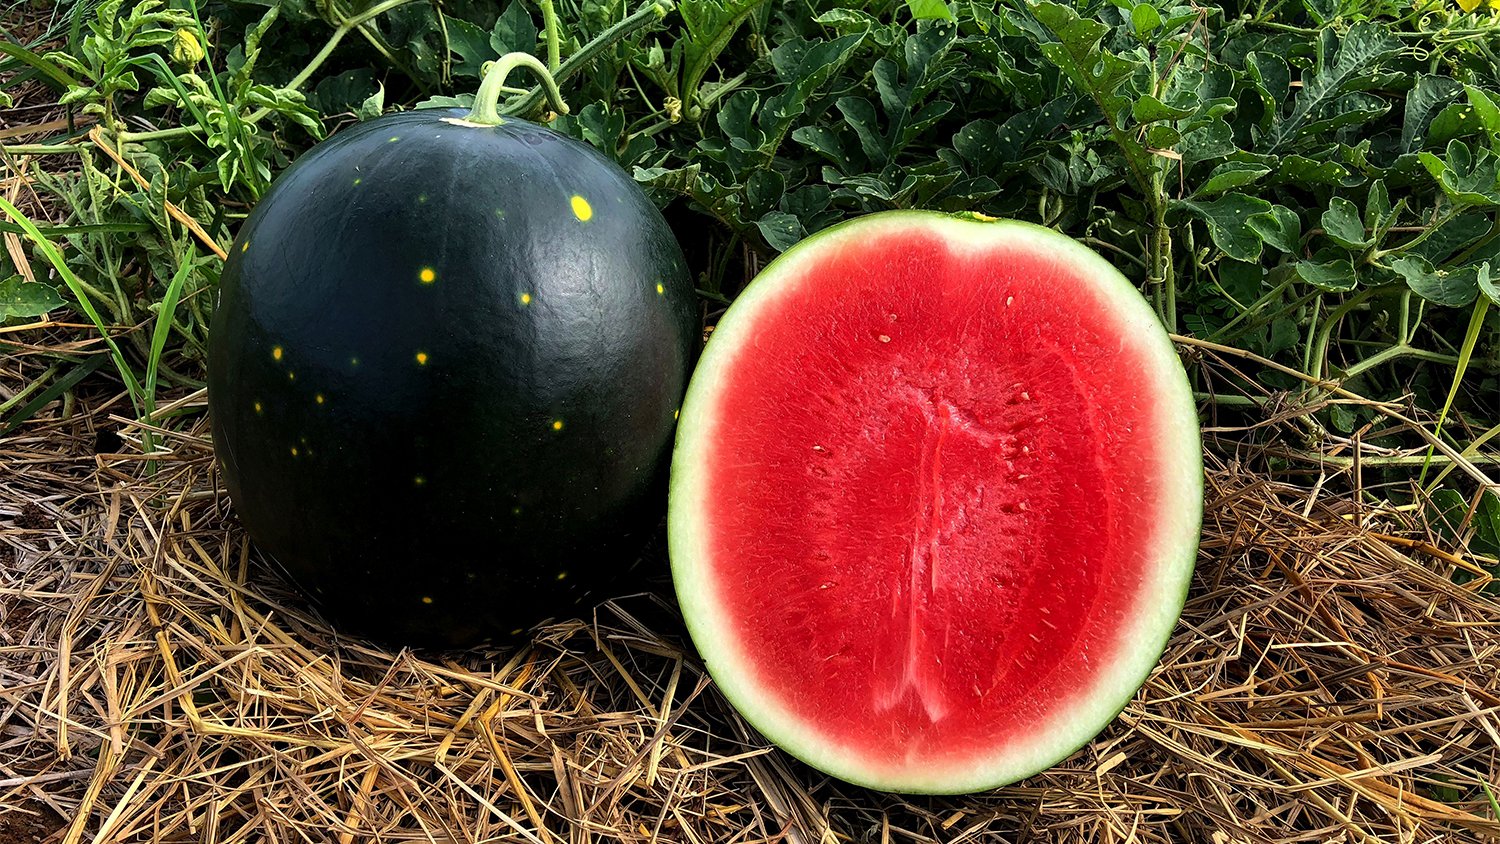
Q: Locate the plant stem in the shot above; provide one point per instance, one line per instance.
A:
(1400, 350)
(649, 13)
(1318, 351)
(1161, 247)
(549, 25)
(487, 100)
(40, 149)
(343, 29)
(1417, 241)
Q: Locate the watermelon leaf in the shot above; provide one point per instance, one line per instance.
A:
(1228, 222)
(22, 299)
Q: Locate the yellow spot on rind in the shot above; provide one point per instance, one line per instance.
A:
(259, 408)
(427, 275)
(319, 398)
(660, 289)
(294, 451)
(581, 208)
(245, 247)
(557, 424)
(421, 358)
(276, 353)
(562, 575)
(426, 599)
(419, 480)
(525, 298)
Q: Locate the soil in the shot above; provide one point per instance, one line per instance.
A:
(33, 824)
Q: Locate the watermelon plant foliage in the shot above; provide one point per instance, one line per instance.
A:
(1313, 181)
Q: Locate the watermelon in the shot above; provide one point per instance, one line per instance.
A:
(935, 500)
(444, 374)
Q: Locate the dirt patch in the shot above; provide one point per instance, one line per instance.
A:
(31, 824)
(32, 517)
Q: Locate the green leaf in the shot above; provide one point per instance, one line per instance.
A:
(1144, 19)
(805, 66)
(1428, 96)
(1456, 120)
(344, 92)
(1333, 276)
(514, 31)
(1148, 109)
(472, 45)
(708, 25)
(1279, 227)
(781, 230)
(1212, 140)
(1227, 218)
(373, 105)
(22, 299)
(1301, 171)
(1231, 175)
(1441, 287)
(930, 10)
(1466, 179)
(1487, 283)
(1078, 54)
(1487, 112)
(1343, 224)
(1362, 49)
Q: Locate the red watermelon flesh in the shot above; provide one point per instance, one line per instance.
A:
(935, 500)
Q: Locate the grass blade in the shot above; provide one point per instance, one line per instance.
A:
(50, 394)
(55, 258)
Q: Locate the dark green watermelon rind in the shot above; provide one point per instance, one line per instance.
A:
(689, 500)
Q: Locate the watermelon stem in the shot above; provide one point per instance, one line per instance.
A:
(487, 100)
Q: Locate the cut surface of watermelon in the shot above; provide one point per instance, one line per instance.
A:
(935, 500)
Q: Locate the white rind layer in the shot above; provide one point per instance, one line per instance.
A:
(1178, 514)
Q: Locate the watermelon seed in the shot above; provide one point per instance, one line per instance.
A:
(827, 585)
(1021, 506)
(884, 339)
(1025, 397)
(1009, 300)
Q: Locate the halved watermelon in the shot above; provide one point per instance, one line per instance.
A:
(935, 500)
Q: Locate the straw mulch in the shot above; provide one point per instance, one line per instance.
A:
(1336, 677)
